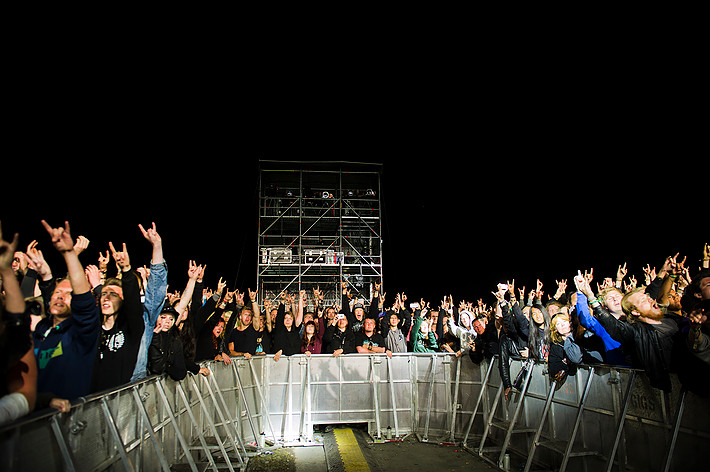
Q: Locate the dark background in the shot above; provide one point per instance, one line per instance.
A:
(457, 219)
(485, 179)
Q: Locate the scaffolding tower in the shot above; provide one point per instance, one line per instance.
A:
(319, 226)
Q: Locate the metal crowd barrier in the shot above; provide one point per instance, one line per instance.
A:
(603, 418)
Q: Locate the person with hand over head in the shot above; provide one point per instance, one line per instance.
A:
(165, 354)
(65, 346)
(155, 293)
(243, 340)
(339, 337)
(647, 335)
(286, 336)
(18, 390)
(121, 328)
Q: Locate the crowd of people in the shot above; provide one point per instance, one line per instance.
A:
(103, 325)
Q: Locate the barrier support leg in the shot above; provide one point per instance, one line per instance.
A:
(676, 426)
(489, 420)
(577, 421)
(622, 419)
(110, 420)
(178, 434)
(151, 432)
(516, 413)
(481, 392)
(540, 427)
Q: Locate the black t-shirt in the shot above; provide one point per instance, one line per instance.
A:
(289, 342)
(376, 340)
(244, 340)
(263, 342)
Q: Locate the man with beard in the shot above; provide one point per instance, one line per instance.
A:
(65, 341)
(649, 335)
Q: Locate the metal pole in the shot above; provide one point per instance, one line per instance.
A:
(430, 396)
(481, 392)
(111, 422)
(173, 420)
(622, 419)
(211, 424)
(63, 446)
(229, 419)
(540, 427)
(375, 390)
(200, 436)
(577, 421)
(454, 408)
(246, 404)
(156, 444)
(392, 397)
(519, 406)
(263, 398)
(676, 426)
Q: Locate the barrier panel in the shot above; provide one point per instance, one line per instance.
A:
(603, 418)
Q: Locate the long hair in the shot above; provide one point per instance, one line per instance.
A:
(555, 336)
(304, 338)
(539, 342)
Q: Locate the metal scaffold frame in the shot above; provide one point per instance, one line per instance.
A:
(319, 225)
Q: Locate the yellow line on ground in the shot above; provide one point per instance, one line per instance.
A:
(350, 452)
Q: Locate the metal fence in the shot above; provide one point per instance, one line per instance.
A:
(603, 418)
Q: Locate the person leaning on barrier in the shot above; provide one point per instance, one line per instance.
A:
(395, 339)
(207, 324)
(423, 337)
(565, 352)
(648, 333)
(339, 338)
(165, 354)
(18, 391)
(285, 334)
(155, 293)
(508, 338)
(122, 326)
(368, 341)
(696, 302)
(65, 342)
(312, 338)
(243, 338)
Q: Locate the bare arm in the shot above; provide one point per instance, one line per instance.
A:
(63, 242)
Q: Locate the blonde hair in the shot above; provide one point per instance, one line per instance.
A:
(554, 334)
(628, 306)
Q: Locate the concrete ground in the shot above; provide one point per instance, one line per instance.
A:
(328, 456)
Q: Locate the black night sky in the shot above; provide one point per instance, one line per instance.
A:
(474, 192)
(460, 215)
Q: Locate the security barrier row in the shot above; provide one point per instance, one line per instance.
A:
(603, 418)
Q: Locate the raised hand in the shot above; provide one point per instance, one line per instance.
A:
(61, 237)
(81, 244)
(151, 234)
(123, 261)
(621, 272)
(7, 251)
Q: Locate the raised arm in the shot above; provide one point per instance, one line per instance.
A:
(14, 300)
(63, 242)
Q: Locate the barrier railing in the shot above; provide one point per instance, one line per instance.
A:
(603, 418)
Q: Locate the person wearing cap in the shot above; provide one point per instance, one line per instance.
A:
(165, 354)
